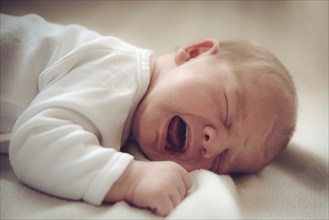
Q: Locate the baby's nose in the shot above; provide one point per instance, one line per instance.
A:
(211, 144)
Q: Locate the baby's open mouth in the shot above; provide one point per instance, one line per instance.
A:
(176, 136)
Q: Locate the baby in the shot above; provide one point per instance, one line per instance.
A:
(78, 97)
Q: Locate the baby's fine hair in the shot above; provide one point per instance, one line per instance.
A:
(244, 57)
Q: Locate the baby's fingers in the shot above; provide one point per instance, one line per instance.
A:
(177, 197)
(182, 188)
(187, 180)
(163, 207)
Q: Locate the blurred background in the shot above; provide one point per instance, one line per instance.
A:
(295, 31)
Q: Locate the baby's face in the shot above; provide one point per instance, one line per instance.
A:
(197, 115)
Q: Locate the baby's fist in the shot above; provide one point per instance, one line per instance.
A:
(158, 186)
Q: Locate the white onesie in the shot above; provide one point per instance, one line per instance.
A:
(75, 92)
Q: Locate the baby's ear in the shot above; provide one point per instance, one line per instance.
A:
(205, 47)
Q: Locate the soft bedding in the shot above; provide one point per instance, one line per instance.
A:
(294, 186)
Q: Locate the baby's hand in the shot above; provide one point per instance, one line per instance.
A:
(158, 186)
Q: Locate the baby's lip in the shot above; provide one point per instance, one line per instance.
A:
(163, 137)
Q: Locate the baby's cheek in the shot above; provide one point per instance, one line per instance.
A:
(247, 162)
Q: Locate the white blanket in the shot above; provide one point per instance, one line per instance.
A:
(211, 196)
(294, 186)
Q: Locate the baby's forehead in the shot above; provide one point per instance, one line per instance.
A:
(258, 85)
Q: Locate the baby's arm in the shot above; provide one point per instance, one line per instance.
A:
(159, 186)
(57, 152)
(62, 143)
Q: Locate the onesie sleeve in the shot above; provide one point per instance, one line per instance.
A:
(29, 45)
(57, 151)
(67, 142)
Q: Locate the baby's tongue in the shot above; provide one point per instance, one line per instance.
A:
(174, 134)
